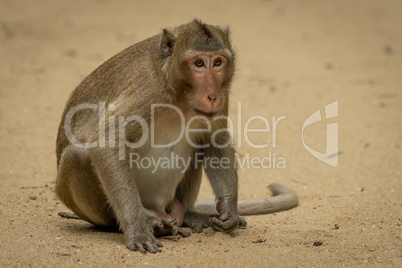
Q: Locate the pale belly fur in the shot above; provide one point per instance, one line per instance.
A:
(158, 172)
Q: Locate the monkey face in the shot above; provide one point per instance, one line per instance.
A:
(207, 72)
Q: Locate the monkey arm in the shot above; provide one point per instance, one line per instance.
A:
(117, 180)
(224, 183)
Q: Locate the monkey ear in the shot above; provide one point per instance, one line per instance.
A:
(226, 30)
(167, 43)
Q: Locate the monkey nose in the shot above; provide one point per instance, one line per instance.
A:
(211, 98)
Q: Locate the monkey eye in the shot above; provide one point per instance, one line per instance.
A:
(199, 63)
(217, 62)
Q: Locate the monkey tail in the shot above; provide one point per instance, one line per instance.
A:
(282, 199)
(68, 215)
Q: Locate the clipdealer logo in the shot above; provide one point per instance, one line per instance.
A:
(330, 156)
(115, 136)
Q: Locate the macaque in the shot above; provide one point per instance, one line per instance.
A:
(163, 98)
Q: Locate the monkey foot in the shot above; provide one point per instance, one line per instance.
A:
(197, 221)
(168, 227)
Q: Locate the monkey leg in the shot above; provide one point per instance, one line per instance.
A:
(78, 187)
(186, 194)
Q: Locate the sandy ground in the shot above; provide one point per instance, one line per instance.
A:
(294, 58)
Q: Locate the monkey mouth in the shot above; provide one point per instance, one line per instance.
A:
(208, 114)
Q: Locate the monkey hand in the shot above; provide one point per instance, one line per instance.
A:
(140, 235)
(228, 219)
(227, 222)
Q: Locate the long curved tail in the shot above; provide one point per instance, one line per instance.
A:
(283, 199)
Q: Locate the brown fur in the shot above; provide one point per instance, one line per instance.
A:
(101, 188)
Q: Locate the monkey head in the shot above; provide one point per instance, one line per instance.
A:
(199, 64)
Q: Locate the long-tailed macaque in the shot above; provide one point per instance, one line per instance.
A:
(137, 133)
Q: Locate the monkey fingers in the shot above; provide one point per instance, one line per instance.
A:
(157, 223)
(227, 224)
(169, 227)
(169, 222)
(197, 221)
(143, 248)
(145, 243)
(242, 222)
(161, 226)
(180, 231)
